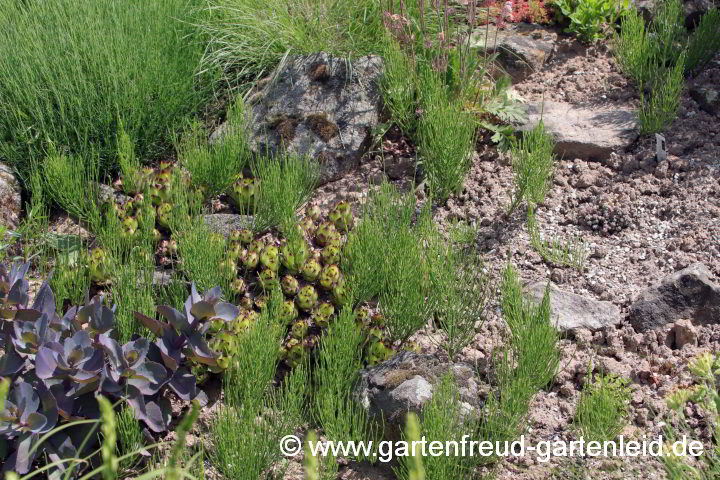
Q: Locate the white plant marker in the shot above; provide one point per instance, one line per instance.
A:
(660, 148)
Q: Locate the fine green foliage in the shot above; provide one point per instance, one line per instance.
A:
(704, 42)
(532, 164)
(132, 292)
(445, 136)
(253, 367)
(249, 38)
(201, 252)
(130, 63)
(591, 19)
(70, 181)
(246, 432)
(571, 253)
(443, 420)
(632, 47)
(705, 394)
(385, 258)
(285, 183)
(130, 436)
(459, 294)
(602, 410)
(533, 338)
(336, 369)
(657, 113)
(214, 167)
(656, 58)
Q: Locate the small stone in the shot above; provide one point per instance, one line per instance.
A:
(683, 333)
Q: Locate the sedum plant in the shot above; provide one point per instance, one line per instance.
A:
(57, 364)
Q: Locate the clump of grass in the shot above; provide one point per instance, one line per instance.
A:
(533, 338)
(443, 420)
(571, 253)
(445, 136)
(70, 279)
(385, 258)
(459, 294)
(131, 63)
(285, 183)
(657, 113)
(215, 167)
(132, 292)
(602, 410)
(532, 163)
(201, 252)
(656, 58)
(247, 430)
(70, 181)
(130, 436)
(704, 42)
(249, 38)
(335, 371)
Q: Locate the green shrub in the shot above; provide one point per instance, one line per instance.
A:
(214, 167)
(657, 113)
(336, 369)
(704, 42)
(602, 410)
(459, 295)
(285, 183)
(533, 338)
(133, 63)
(385, 259)
(591, 19)
(445, 137)
(532, 164)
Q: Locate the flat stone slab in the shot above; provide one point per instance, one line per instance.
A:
(522, 48)
(589, 133)
(570, 311)
(686, 294)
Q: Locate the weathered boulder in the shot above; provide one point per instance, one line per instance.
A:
(694, 10)
(405, 383)
(317, 105)
(570, 311)
(686, 294)
(225, 223)
(586, 133)
(708, 98)
(10, 200)
(522, 48)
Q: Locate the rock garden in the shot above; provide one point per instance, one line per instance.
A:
(235, 233)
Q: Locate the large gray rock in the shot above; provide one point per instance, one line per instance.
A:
(686, 294)
(405, 383)
(591, 133)
(10, 200)
(707, 97)
(226, 223)
(694, 10)
(522, 48)
(321, 106)
(570, 311)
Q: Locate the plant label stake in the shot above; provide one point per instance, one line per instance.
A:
(660, 148)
